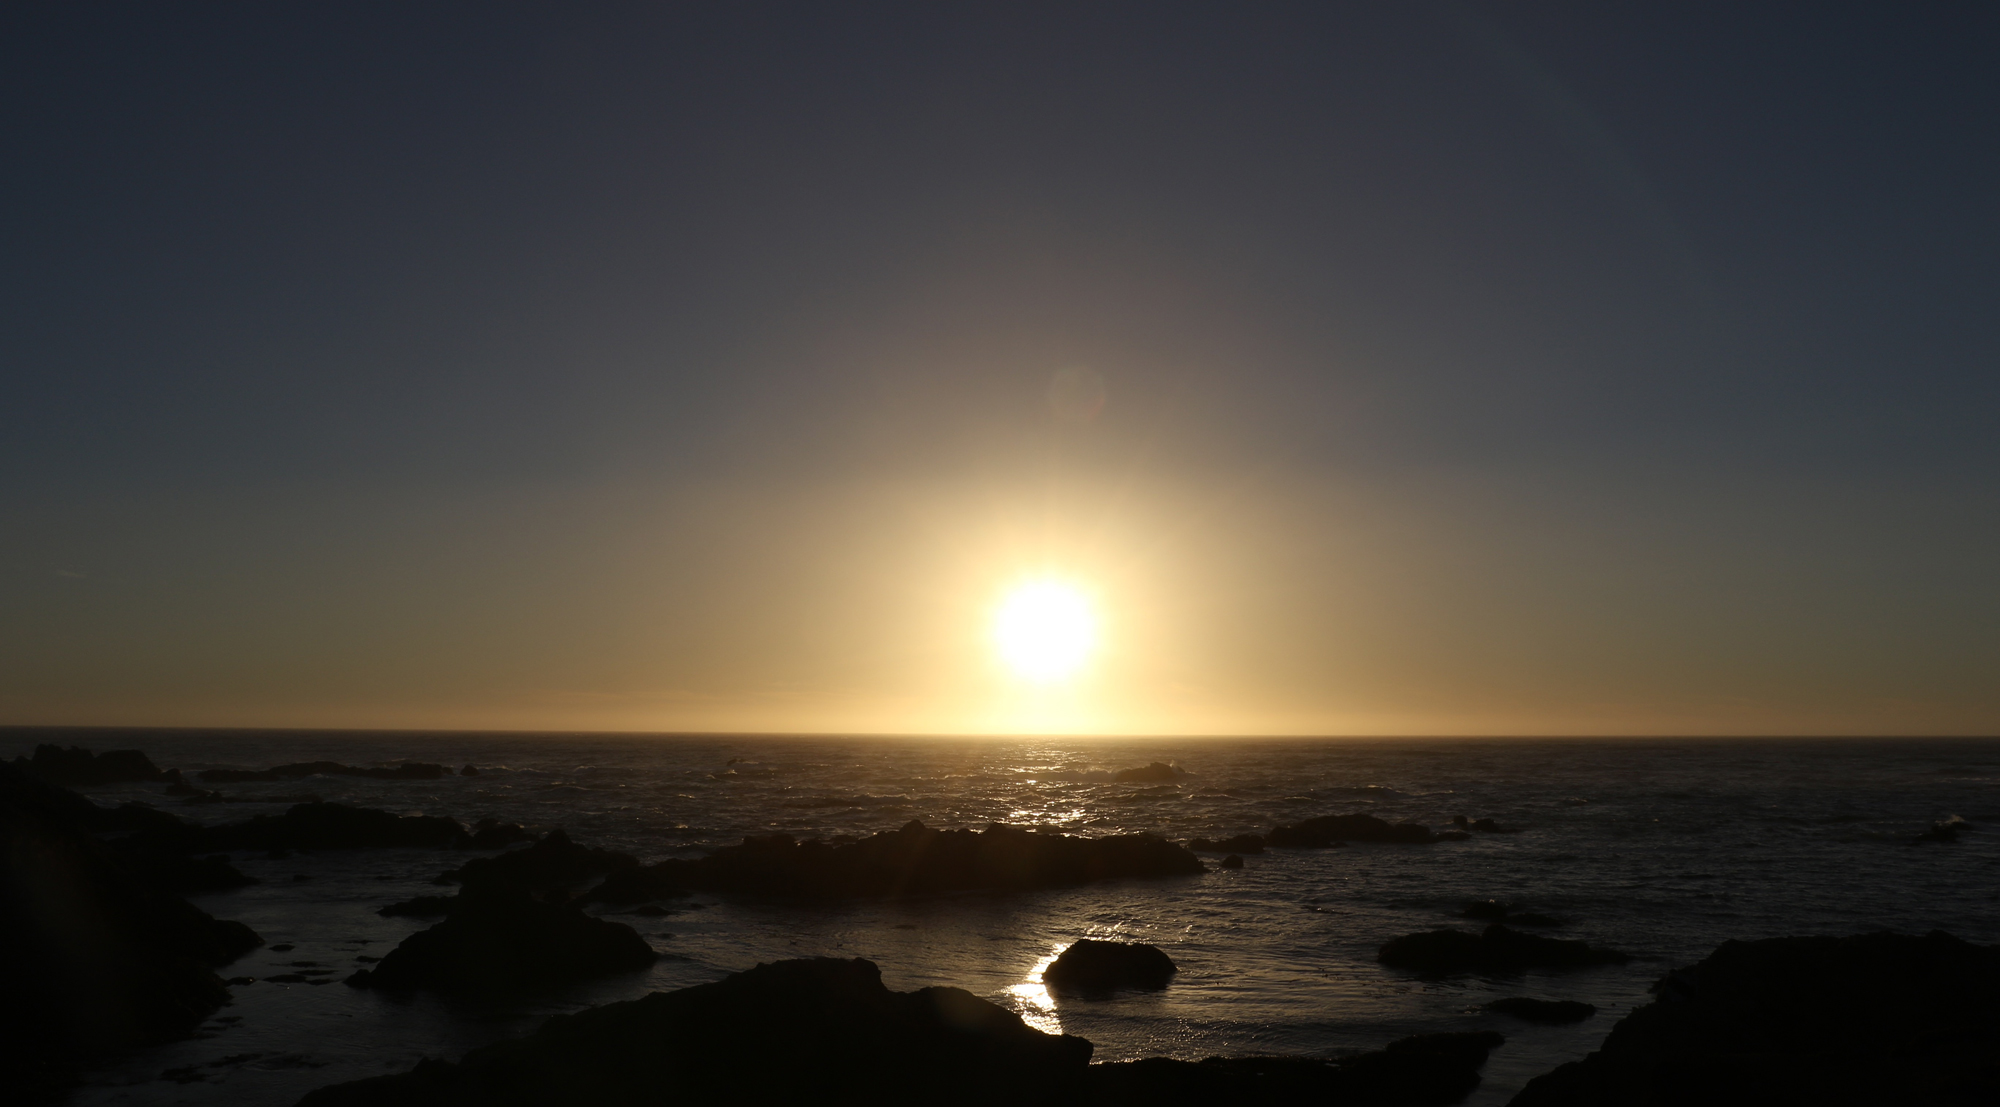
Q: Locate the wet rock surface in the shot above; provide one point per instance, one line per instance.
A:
(98, 959)
(1094, 968)
(1495, 949)
(1872, 1019)
(828, 1031)
(498, 940)
(914, 859)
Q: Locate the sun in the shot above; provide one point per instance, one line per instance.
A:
(1045, 629)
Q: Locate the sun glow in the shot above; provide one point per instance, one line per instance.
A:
(1045, 629)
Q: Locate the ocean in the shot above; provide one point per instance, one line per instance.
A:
(1659, 848)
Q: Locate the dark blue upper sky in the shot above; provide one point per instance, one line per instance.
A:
(1672, 271)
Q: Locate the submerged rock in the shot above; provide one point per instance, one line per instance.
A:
(1241, 843)
(1333, 830)
(1496, 949)
(914, 859)
(1552, 1011)
(77, 765)
(1092, 967)
(817, 1031)
(499, 940)
(1831, 1022)
(97, 959)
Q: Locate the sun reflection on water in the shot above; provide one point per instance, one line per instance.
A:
(1032, 1000)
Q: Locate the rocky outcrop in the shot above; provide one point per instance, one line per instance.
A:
(495, 941)
(818, 1031)
(554, 863)
(97, 959)
(77, 765)
(1159, 772)
(408, 770)
(1550, 1011)
(1333, 830)
(914, 859)
(324, 826)
(827, 1031)
(1241, 843)
(1943, 830)
(494, 834)
(1830, 1022)
(1495, 949)
(1094, 968)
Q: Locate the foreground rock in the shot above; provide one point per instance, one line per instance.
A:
(408, 770)
(914, 859)
(498, 941)
(827, 1031)
(1495, 949)
(94, 959)
(1093, 968)
(1875, 1019)
(77, 765)
(1553, 1012)
(1333, 830)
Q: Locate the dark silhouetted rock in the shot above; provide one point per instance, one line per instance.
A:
(494, 834)
(97, 959)
(1241, 843)
(1789, 1022)
(1944, 830)
(409, 770)
(914, 859)
(1232, 861)
(1488, 826)
(1553, 1011)
(1412, 1072)
(819, 1031)
(468, 771)
(499, 940)
(1331, 830)
(325, 826)
(1496, 949)
(179, 873)
(1159, 772)
(553, 863)
(420, 907)
(77, 765)
(1092, 967)
(1489, 910)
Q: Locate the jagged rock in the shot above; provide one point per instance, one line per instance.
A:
(818, 1031)
(497, 940)
(1552, 1011)
(494, 834)
(1091, 967)
(324, 826)
(1233, 861)
(1241, 843)
(1789, 1022)
(77, 765)
(1159, 772)
(421, 907)
(97, 960)
(555, 862)
(914, 859)
(1496, 949)
(1332, 830)
(468, 771)
(408, 770)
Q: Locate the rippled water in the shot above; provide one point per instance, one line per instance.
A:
(1659, 848)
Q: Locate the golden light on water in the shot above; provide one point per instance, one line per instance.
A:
(1032, 1000)
(1045, 629)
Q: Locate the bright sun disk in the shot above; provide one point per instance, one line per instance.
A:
(1045, 629)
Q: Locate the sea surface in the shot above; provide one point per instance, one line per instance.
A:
(1660, 848)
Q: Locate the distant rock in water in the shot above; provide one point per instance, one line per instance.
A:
(553, 863)
(1790, 1022)
(94, 958)
(1944, 830)
(77, 765)
(1496, 949)
(1233, 861)
(1159, 772)
(1091, 967)
(914, 859)
(1333, 830)
(1241, 843)
(817, 1031)
(1550, 1011)
(494, 834)
(468, 771)
(408, 770)
(1426, 1069)
(324, 826)
(496, 941)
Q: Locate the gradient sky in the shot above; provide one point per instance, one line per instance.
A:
(1499, 368)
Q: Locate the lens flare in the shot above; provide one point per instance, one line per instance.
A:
(1045, 629)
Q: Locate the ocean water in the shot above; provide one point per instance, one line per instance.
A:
(1659, 848)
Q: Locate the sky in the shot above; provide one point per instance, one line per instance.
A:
(1481, 369)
